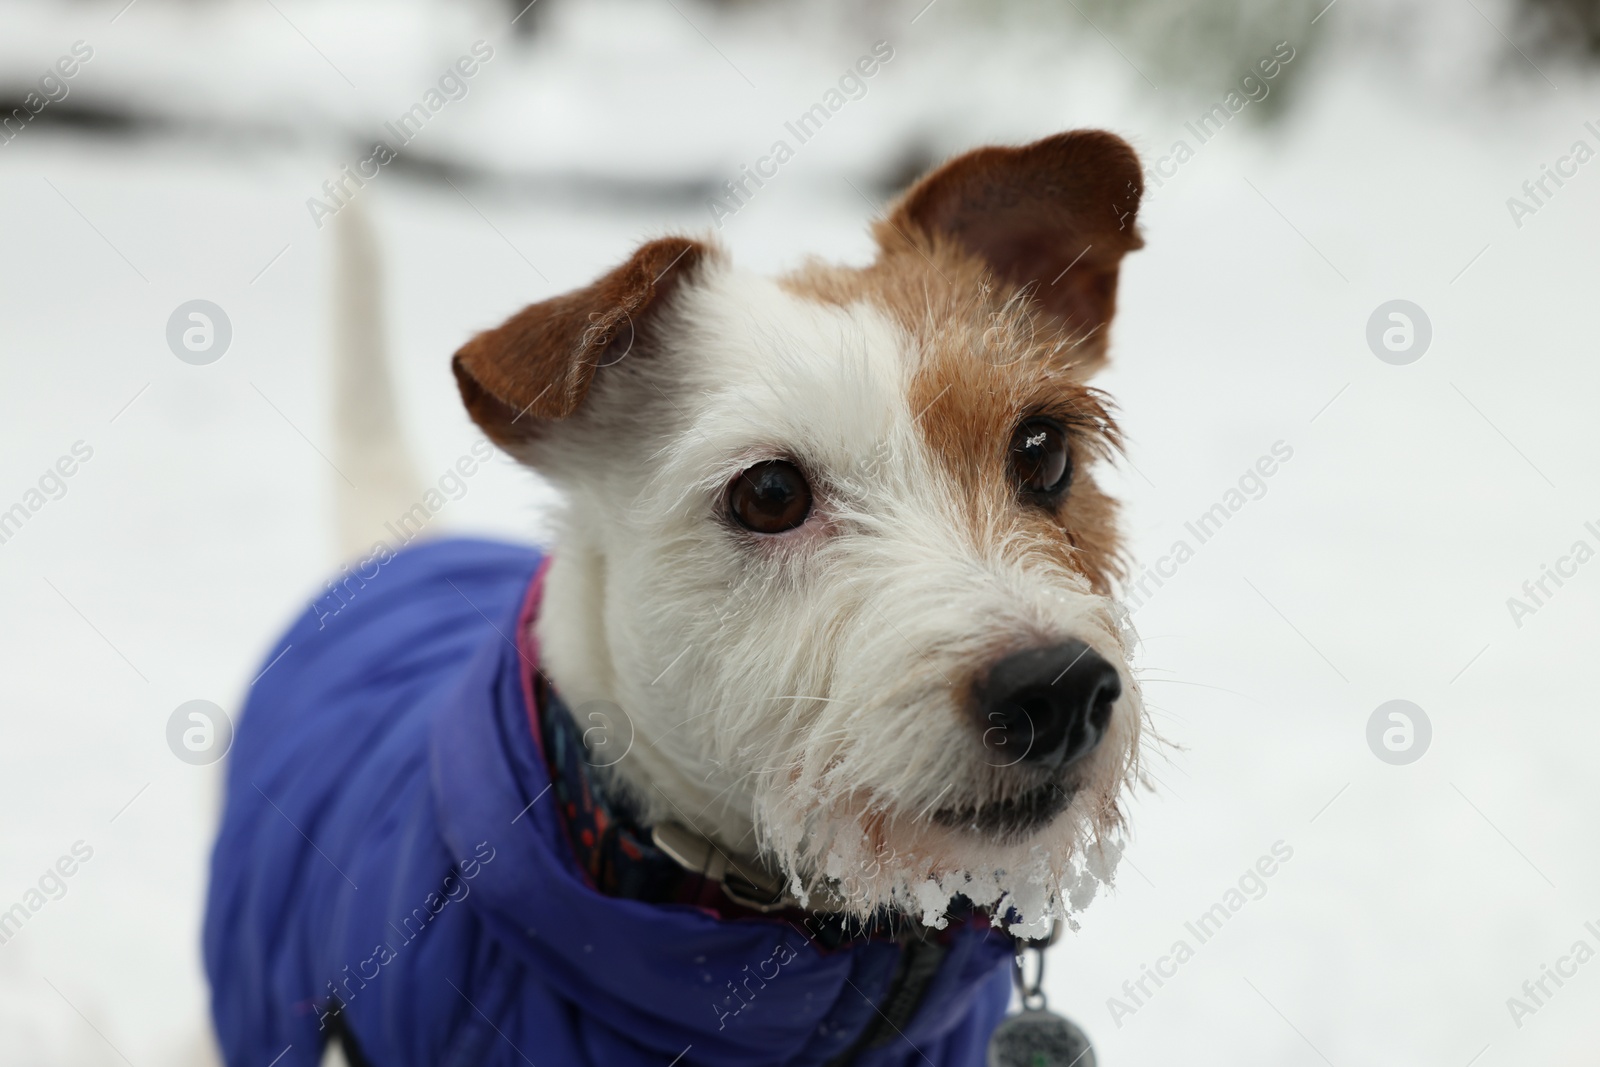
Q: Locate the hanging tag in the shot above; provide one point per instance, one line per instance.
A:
(1037, 1037)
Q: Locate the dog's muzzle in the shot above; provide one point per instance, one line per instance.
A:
(1047, 707)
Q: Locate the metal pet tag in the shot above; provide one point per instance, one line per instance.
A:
(1039, 1038)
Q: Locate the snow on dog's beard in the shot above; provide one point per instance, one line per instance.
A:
(825, 676)
(812, 695)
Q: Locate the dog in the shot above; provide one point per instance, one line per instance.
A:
(819, 706)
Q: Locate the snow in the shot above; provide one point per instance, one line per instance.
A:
(1376, 565)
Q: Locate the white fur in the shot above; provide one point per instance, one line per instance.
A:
(803, 696)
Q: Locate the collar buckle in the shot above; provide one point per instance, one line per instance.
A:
(747, 885)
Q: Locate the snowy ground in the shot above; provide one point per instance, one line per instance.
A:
(1375, 565)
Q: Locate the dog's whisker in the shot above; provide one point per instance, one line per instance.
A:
(923, 813)
(718, 795)
(671, 665)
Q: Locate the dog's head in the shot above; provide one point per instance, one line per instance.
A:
(834, 541)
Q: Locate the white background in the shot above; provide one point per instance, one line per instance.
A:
(1377, 565)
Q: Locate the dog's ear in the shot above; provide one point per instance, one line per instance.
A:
(1057, 214)
(538, 365)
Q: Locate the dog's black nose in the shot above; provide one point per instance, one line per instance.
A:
(1047, 706)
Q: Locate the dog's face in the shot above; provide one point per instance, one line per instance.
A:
(834, 541)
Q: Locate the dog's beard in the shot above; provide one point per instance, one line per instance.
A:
(1028, 847)
(869, 862)
(838, 719)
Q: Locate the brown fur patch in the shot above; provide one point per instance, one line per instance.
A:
(984, 366)
(539, 363)
(1001, 267)
(1055, 216)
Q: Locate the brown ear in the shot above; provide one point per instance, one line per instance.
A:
(1057, 214)
(538, 365)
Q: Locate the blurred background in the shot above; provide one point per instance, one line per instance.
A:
(1375, 266)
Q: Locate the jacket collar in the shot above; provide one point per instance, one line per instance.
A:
(744, 987)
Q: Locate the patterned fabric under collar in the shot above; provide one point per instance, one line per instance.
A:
(617, 853)
(612, 848)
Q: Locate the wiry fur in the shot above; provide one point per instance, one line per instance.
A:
(811, 696)
(806, 695)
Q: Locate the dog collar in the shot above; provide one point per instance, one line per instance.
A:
(667, 863)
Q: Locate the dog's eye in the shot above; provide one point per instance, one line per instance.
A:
(1041, 465)
(770, 497)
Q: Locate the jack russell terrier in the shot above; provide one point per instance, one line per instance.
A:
(818, 708)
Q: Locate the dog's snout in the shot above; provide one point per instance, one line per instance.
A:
(1047, 706)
